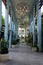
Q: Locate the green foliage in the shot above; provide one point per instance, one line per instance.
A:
(3, 27)
(18, 40)
(29, 39)
(35, 45)
(14, 42)
(4, 46)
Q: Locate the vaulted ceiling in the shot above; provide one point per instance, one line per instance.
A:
(23, 16)
(27, 2)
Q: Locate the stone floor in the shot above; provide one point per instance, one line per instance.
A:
(23, 55)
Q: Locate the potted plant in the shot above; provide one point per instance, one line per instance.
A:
(29, 39)
(4, 50)
(14, 43)
(34, 47)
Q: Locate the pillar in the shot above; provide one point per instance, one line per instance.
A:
(0, 19)
(25, 32)
(0, 14)
(10, 38)
(16, 29)
(39, 28)
(13, 30)
(33, 31)
(21, 35)
(12, 26)
(6, 21)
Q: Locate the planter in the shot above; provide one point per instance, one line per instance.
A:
(34, 49)
(4, 57)
(13, 46)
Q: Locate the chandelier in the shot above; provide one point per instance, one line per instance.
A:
(22, 9)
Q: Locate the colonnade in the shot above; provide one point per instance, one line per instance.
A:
(38, 14)
(15, 26)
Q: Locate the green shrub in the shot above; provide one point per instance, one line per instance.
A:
(4, 46)
(35, 45)
(14, 42)
(29, 39)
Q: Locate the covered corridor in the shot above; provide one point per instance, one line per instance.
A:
(22, 19)
(21, 32)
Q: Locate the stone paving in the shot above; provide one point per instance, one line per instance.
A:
(23, 55)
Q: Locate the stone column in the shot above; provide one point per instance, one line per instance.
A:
(12, 29)
(10, 38)
(25, 32)
(0, 19)
(12, 26)
(21, 35)
(6, 21)
(33, 31)
(0, 14)
(39, 27)
(16, 29)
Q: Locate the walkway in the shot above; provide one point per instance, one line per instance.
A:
(23, 55)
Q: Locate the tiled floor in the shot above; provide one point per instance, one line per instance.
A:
(23, 55)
